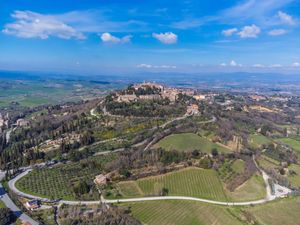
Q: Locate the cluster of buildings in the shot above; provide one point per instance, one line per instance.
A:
(5, 122)
(164, 92)
(275, 98)
(192, 110)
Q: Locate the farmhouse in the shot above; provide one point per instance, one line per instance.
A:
(33, 204)
(193, 109)
(22, 123)
(101, 179)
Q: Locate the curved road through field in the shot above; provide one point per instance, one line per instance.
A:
(269, 196)
(12, 206)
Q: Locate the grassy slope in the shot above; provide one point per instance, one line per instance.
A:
(130, 189)
(257, 140)
(294, 179)
(181, 213)
(277, 213)
(189, 142)
(238, 166)
(252, 189)
(291, 142)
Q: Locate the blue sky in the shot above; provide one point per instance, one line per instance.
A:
(101, 36)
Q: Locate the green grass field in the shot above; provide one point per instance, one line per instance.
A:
(295, 178)
(181, 213)
(192, 182)
(56, 182)
(238, 166)
(189, 142)
(277, 213)
(257, 140)
(130, 189)
(291, 142)
(2, 206)
(252, 189)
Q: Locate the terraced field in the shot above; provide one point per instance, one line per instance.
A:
(192, 182)
(181, 213)
(189, 142)
(58, 181)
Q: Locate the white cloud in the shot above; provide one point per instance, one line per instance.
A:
(229, 32)
(277, 32)
(258, 66)
(286, 18)
(149, 66)
(166, 38)
(166, 67)
(29, 24)
(276, 66)
(234, 64)
(296, 64)
(144, 66)
(249, 31)
(107, 37)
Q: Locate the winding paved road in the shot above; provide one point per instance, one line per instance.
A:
(269, 196)
(12, 206)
